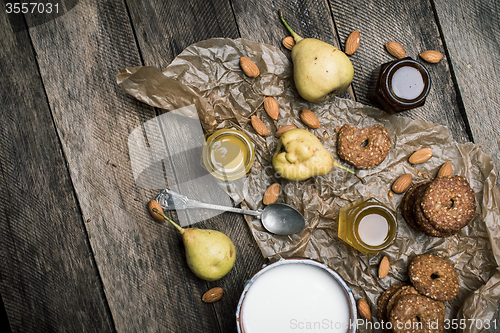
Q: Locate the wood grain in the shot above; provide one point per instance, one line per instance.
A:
(141, 262)
(199, 21)
(164, 29)
(84, 254)
(48, 281)
(146, 279)
(381, 21)
(474, 63)
(471, 30)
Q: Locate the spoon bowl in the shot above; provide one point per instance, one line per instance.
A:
(282, 219)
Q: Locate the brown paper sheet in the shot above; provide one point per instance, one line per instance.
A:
(208, 75)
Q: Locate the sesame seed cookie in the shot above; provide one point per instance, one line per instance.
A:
(420, 219)
(350, 146)
(417, 314)
(384, 298)
(407, 204)
(449, 203)
(433, 277)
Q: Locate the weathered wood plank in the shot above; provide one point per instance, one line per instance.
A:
(412, 24)
(48, 279)
(161, 37)
(471, 30)
(471, 33)
(165, 29)
(139, 260)
(142, 266)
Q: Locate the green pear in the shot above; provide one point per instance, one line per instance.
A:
(210, 254)
(320, 70)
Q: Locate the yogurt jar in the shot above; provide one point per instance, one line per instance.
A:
(296, 295)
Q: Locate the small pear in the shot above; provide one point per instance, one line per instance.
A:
(320, 70)
(210, 254)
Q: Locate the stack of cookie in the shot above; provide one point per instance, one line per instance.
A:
(439, 208)
(419, 307)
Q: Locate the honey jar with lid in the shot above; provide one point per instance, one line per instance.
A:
(228, 154)
(401, 85)
(367, 225)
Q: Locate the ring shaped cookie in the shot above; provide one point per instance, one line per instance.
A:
(406, 290)
(417, 314)
(384, 298)
(420, 220)
(433, 277)
(449, 203)
(407, 204)
(351, 148)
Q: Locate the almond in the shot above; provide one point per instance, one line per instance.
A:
(352, 43)
(284, 129)
(402, 183)
(272, 107)
(153, 204)
(364, 309)
(420, 156)
(445, 170)
(431, 56)
(395, 49)
(309, 118)
(259, 126)
(383, 268)
(212, 295)
(288, 42)
(249, 67)
(272, 194)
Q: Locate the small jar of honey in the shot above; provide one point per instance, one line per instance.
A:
(401, 85)
(228, 154)
(367, 225)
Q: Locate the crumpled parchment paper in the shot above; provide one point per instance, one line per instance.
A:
(208, 75)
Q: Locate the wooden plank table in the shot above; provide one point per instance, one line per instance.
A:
(78, 249)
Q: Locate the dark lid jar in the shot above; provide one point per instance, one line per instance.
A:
(401, 85)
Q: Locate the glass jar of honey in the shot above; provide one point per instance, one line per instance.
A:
(367, 225)
(401, 85)
(228, 154)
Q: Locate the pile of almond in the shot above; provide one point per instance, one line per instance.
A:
(420, 156)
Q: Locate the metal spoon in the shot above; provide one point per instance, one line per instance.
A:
(277, 218)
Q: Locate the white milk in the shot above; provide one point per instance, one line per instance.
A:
(373, 229)
(295, 298)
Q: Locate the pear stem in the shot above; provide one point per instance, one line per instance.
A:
(335, 164)
(181, 229)
(296, 37)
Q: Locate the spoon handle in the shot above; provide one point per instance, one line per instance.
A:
(197, 204)
(170, 200)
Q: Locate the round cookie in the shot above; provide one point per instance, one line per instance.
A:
(384, 298)
(433, 277)
(407, 205)
(420, 219)
(449, 203)
(417, 314)
(406, 290)
(350, 147)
